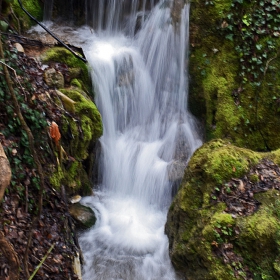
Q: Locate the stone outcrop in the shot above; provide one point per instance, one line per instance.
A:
(81, 124)
(235, 71)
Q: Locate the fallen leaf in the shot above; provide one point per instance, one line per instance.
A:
(54, 132)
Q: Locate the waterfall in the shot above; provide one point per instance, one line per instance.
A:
(48, 7)
(141, 85)
(138, 53)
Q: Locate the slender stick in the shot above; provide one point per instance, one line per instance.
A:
(41, 263)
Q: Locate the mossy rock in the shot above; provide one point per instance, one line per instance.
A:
(197, 225)
(34, 7)
(78, 136)
(74, 177)
(88, 127)
(76, 66)
(243, 109)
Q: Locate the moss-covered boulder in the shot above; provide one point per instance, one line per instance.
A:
(77, 68)
(80, 125)
(215, 230)
(80, 128)
(86, 128)
(235, 70)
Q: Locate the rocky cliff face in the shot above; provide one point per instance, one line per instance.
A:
(234, 69)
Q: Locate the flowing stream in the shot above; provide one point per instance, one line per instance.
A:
(138, 59)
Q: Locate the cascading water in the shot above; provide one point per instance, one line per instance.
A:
(141, 92)
(48, 7)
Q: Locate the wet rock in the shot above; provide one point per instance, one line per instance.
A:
(54, 78)
(175, 172)
(75, 199)
(176, 10)
(84, 216)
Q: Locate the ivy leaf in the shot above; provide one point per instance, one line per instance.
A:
(229, 37)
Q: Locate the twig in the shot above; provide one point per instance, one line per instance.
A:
(40, 264)
(44, 27)
(267, 63)
(26, 199)
(45, 265)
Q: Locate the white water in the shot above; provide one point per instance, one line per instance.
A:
(141, 91)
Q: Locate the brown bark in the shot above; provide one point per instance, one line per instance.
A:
(5, 172)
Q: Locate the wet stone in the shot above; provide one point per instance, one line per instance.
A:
(84, 216)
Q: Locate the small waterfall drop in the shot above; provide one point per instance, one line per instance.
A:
(48, 8)
(138, 54)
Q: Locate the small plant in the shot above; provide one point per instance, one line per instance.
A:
(223, 233)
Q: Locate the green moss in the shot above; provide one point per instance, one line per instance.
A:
(259, 229)
(276, 267)
(33, 7)
(259, 238)
(242, 108)
(90, 124)
(276, 156)
(63, 55)
(219, 161)
(76, 83)
(72, 175)
(197, 226)
(56, 177)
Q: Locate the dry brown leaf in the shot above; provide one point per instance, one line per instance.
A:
(54, 132)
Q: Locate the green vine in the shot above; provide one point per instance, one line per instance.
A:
(255, 26)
